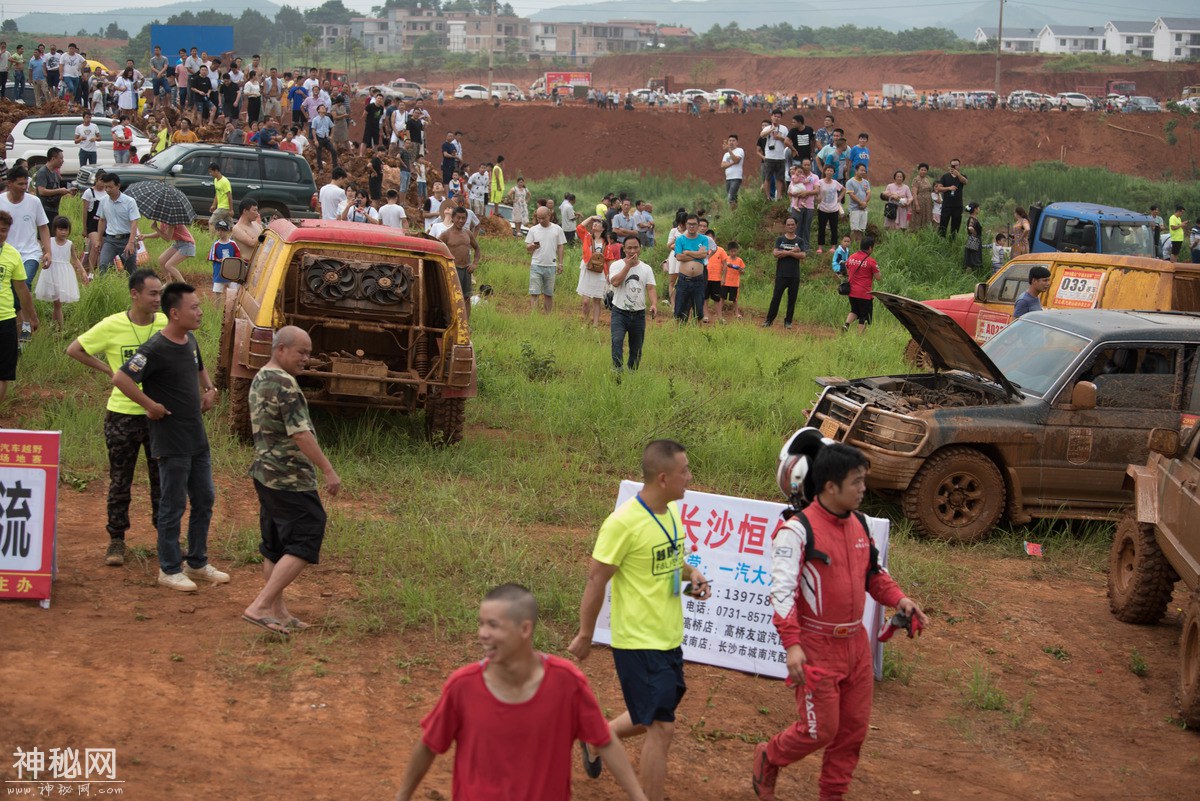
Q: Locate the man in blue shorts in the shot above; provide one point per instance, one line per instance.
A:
(639, 549)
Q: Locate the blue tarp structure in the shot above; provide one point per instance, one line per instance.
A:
(212, 39)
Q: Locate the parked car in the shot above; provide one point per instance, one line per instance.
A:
(471, 91)
(385, 312)
(1157, 543)
(281, 182)
(1074, 100)
(642, 95)
(1024, 97)
(388, 91)
(729, 94)
(1140, 103)
(409, 90)
(32, 137)
(507, 91)
(700, 95)
(1041, 421)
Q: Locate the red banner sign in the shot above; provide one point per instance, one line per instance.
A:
(554, 79)
(28, 513)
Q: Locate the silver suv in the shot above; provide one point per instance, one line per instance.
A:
(32, 137)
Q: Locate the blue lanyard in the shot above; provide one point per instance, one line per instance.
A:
(671, 540)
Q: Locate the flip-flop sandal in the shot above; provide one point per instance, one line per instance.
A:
(266, 623)
(296, 624)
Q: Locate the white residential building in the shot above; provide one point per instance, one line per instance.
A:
(1176, 39)
(1129, 38)
(1071, 39)
(1016, 40)
(376, 35)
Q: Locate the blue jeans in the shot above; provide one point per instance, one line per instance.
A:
(183, 479)
(18, 85)
(31, 270)
(689, 296)
(803, 218)
(632, 323)
(405, 176)
(71, 88)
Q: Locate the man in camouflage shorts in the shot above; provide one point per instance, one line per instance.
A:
(287, 454)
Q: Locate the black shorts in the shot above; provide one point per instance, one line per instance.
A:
(8, 349)
(1176, 248)
(863, 309)
(651, 682)
(713, 292)
(370, 137)
(292, 523)
(731, 293)
(91, 224)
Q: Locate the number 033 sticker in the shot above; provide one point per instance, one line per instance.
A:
(1078, 289)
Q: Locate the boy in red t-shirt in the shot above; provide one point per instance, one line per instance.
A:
(515, 716)
(731, 279)
(861, 272)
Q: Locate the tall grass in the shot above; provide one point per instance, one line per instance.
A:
(667, 194)
(1054, 181)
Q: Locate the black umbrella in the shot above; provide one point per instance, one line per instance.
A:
(161, 202)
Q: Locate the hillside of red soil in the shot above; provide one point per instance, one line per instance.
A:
(804, 75)
(540, 140)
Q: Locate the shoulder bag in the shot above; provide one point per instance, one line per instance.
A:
(844, 287)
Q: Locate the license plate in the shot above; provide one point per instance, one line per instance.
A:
(829, 428)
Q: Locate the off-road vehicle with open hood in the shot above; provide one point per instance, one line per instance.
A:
(1039, 422)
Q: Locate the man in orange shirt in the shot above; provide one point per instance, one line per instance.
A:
(185, 134)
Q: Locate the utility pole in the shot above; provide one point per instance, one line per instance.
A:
(999, 47)
(491, 51)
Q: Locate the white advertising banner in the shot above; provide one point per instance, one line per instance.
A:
(729, 539)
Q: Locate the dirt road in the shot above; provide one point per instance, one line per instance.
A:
(199, 706)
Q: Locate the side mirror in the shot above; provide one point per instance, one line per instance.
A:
(1083, 394)
(981, 293)
(234, 269)
(176, 169)
(1164, 441)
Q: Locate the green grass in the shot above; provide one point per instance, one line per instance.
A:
(553, 430)
(1000, 188)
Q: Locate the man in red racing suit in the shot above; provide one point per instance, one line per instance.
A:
(818, 600)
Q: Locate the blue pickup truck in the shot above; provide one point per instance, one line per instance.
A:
(1091, 228)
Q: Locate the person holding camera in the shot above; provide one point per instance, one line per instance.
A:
(634, 293)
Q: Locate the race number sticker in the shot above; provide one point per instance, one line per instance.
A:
(989, 324)
(1078, 289)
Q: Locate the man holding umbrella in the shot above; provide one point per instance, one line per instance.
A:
(171, 212)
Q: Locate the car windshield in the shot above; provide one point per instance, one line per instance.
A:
(1128, 239)
(1032, 355)
(168, 156)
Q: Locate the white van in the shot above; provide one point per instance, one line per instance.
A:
(507, 91)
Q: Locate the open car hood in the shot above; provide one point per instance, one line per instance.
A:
(948, 345)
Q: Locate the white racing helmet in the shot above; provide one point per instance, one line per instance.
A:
(794, 473)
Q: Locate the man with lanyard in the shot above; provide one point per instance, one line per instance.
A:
(639, 549)
(105, 347)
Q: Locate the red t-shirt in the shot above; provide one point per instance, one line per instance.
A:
(514, 751)
(861, 272)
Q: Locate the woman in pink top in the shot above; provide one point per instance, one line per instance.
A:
(898, 192)
(182, 247)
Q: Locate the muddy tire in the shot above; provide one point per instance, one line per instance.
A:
(444, 421)
(239, 409)
(957, 495)
(916, 357)
(1189, 662)
(1140, 578)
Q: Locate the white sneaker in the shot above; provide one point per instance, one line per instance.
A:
(207, 573)
(176, 581)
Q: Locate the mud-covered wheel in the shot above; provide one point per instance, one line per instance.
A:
(916, 357)
(444, 421)
(1189, 662)
(239, 409)
(957, 495)
(1140, 578)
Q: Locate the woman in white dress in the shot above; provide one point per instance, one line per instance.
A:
(593, 283)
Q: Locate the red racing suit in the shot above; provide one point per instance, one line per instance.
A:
(818, 602)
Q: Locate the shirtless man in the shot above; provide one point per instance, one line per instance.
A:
(248, 228)
(461, 241)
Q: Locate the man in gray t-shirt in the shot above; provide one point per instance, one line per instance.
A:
(858, 194)
(544, 242)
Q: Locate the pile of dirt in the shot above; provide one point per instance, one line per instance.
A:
(750, 72)
(539, 141)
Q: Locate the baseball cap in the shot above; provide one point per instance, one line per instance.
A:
(222, 225)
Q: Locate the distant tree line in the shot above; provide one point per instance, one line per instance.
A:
(849, 37)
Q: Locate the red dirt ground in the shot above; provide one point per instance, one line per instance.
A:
(748, 72)
(539, 140)
(199, 706)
